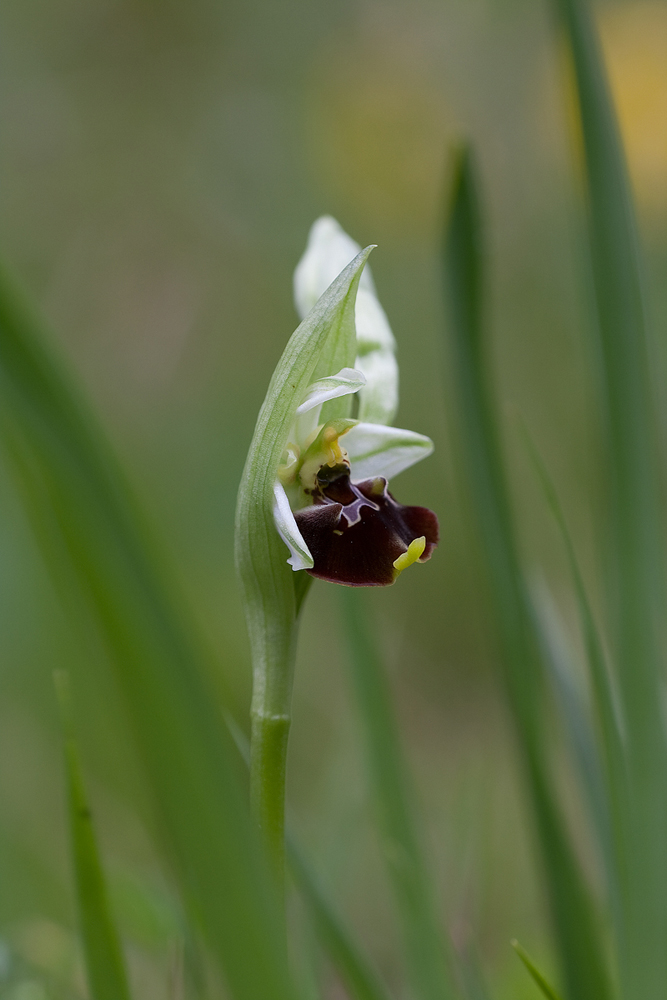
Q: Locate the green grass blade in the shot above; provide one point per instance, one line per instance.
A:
(334, 936)
(548, 991)
(605, 702)
(78, 499)
(558, 660)
(107, 978)
(360, 978)
(574, 919)
(611, 828)
(413, 887)
(636, 553)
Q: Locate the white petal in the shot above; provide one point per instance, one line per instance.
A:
(376, 450)
(328, 251)
(378, 400)
(344, 382)
(288, 530)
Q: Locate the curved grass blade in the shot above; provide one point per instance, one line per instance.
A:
(85, 518)
(558, 660)
(360, 978)
(107, 978)
(611, 825)
(574, 919)
(605, 701)
(635, 546)
(548, 990)
(335, 938)
(413, 887)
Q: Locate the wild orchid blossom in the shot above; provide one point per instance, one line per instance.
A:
(315, 480)
(332, 506)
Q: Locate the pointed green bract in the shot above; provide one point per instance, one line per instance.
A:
(107, 978)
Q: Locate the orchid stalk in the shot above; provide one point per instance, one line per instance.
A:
(313, 500)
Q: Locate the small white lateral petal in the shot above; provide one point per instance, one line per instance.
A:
(378, 400)
(377, 450)
(288, 530)
(328, 251)
(344, 382)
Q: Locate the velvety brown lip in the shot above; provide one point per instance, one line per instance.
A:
(356, 531)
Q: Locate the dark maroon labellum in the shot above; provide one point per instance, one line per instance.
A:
(356, 531)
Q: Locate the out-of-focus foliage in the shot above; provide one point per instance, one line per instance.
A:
(162, 164)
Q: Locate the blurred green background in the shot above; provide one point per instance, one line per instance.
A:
(162, 164)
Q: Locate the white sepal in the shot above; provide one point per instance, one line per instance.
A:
(328, 251)
(378, 400)
(373, 330)
(289, 531)
(376, 450)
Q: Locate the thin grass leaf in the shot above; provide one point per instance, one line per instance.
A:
(610, 822)
(604, 698)
(558, 660)
(635, 550)
(360, 978)
(84, 516)
(403, 853)
(334, 936)
(548, 990)
(574, 918)
(105, 966)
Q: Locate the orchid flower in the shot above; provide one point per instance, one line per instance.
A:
(315, 483)
(332, 507)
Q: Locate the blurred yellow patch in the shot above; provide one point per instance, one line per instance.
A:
(48, 946)
(634, 36)
(378, 128)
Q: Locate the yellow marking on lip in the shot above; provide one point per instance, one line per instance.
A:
(414, 551)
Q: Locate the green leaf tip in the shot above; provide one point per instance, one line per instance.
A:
(105, 966)
(548, 991)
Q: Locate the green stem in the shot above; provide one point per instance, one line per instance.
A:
(268, 760)
(273, 642)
